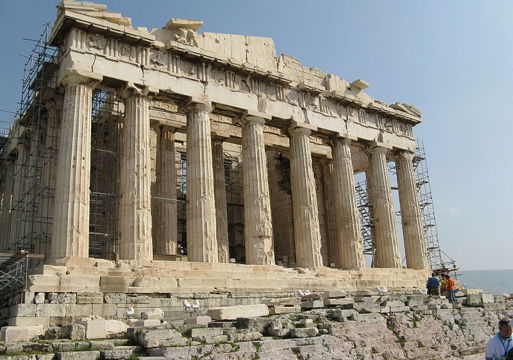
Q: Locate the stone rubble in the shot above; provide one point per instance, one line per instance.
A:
(400, 326)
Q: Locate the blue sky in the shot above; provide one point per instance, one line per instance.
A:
(451, 59)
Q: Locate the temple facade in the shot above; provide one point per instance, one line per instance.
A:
(227, 158)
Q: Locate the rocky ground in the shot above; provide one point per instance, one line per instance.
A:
(373, 327)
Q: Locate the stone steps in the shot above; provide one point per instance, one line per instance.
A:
(184, 277)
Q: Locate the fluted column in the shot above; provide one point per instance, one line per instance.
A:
(70, 231)
(258, 229)
(135, 241)
(386, 245)
(223, 248)
(307, 236)
(7, 193)
(201, 213)
(350, 250)
(413, 234)
(165, 216)
(15, 226)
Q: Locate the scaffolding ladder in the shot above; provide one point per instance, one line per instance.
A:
(438, 260)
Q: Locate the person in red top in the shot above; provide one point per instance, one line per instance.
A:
(451, 289)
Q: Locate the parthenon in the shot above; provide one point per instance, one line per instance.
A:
(182, 160)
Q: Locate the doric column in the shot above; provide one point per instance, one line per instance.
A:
(307, 236)
(70, 232)
(350, 250)
(15, 227)
(413, 234)
(386, 245)
(7, 193)
(165, 216)
(201, 213)
(258, 229)
(223, 248)
(135, 241)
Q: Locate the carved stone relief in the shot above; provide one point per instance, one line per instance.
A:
(159, 59)
(96, 41)
(185, 36)
(231, 78)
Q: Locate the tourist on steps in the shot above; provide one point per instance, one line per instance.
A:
(433, 285)
(501, 343)
(451, 289)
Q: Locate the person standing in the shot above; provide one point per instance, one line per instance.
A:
(501, 343)
(451, 289)
(433, 285)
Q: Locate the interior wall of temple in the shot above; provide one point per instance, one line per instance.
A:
(281, 207)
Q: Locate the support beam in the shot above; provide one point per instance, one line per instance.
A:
(307, 236)
(413, 233)
(201, 212)
(258, 230)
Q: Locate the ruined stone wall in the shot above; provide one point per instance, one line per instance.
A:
(281, 207)
(319, 187)
(363, 325)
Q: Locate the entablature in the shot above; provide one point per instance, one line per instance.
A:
(175, 68)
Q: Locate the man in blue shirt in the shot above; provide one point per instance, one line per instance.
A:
(433, 285)
(500, 344)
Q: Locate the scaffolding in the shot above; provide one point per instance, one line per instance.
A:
(107, 114)
(362, 203)
(32, 133)
(438, 260)
(29, 147)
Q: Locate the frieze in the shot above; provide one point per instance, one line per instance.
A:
(96, 41)
(174, 64)
(304, 99)
(230, 78)
(221, 74)
(159, 59)
(202, 71)
(324, 105)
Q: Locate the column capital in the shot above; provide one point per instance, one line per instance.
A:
(378, 149)
(408, 155)
(298, 130)
(251, 119)
(253, 115)
(218, 139)
(340, 139)
(167, 128)
(198, 104)
(75, 77)
(132, 89)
